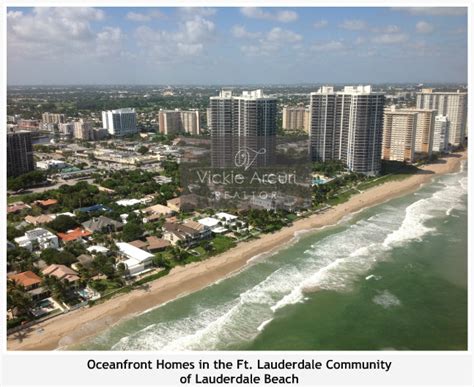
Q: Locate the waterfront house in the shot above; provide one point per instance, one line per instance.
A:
(38, 239)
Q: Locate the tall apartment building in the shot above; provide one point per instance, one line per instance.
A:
(53, 118)
(66, 130)
(242, 123)
(453, 105)
(307, 120)
(169, 121)
(294, 117)
(399, 134)
(424, 130)
(441, 134)
(176, 121)
(347, 126)
(120, 122)
(191, 120)
(83, 130)
(19, 153)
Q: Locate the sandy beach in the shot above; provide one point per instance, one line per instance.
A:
(74, 327)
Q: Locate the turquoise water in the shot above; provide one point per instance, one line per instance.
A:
(390, 277)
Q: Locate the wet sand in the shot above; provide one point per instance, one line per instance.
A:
(76, 326)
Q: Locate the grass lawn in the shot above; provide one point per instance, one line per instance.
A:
(222, 243)
(381, 180)
(341, 198)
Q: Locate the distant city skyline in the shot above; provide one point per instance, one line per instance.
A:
(198, 46)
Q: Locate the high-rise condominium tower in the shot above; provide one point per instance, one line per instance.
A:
(441, 134)
(294, 118)
(452, 105)
(347, 126)
(53, 118)
(176, 121)
(399, 133)
(19, 153)
(83, 130)
(120, 122)
(245, 123)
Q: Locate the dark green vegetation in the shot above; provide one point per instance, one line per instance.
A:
(345, 184)
(26, 180)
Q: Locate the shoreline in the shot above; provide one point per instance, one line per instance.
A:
(75, 327)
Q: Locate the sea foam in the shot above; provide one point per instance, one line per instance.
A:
(331, 263)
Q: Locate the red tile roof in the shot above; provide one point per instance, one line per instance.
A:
(47, 202)
(17, 206)
(27, 278)
(73, 234)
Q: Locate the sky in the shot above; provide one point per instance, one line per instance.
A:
(68, 45)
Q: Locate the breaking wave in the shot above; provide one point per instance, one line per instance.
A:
(333, 262)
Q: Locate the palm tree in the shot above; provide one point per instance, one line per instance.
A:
(56, 287)
(18, 299)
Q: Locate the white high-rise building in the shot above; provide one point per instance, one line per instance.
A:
(241, 122)
(441, 134)
(191, 120)
(120, 122)
(347, 126)
(453, 105)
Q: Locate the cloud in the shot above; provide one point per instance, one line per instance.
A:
(59, 32)
(390, 29)
(353, 25)
(272, 42)
(239, 31)
(424, 27)
(283, 16)
(433, 11)
(194, 34)
(333, 45)
(197, 11)
(390, 38)
(320, 24)
(144, 17)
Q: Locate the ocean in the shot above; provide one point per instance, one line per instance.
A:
(393, 276)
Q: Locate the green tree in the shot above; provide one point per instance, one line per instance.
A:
(18, 299)
(51, 256)
(143, 150)
(132, 230)
(63, 223)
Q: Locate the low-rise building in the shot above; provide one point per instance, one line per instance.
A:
(51, 164)
(63, 273)
(15, 207)
(156, 212)
(188, 233)
(213, 224)
(102, 224)
(135, 260)
(83, 260)
(156, 244)
(78, 234)
(31, 283)
(38, 239)
(39, 220)
(97, 249)
(46, 203)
